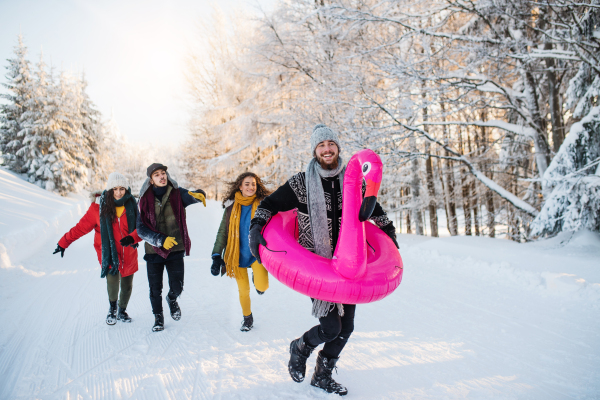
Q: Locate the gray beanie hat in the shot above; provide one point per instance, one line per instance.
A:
(116, 179)
(321, 133)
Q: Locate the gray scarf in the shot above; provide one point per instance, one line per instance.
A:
(317, 213)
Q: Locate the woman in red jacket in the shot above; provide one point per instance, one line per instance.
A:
(113, 218)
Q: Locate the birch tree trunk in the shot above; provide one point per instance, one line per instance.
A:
(464, 183)
(444, 193)
(415, 187)
(542, 151)
(472, 190)
(433, 222)
(449, 173)
(408, 224)
(491, 214)
(489, 196)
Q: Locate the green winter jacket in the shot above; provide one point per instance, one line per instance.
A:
(223, 232)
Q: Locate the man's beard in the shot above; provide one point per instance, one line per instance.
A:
(331, 166)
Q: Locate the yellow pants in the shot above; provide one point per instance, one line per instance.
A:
(261, 282)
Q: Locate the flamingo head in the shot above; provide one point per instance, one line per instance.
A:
(372, 171)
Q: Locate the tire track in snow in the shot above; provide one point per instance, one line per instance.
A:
(213, 324)
(27, 331)
(100, 364)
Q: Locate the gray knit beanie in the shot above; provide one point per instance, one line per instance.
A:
(321, 133)
(116, 179)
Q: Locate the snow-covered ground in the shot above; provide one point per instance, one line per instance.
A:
(474, 318)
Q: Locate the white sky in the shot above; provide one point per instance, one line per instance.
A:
(132, 52)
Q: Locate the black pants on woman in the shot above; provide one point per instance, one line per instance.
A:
(155, 280)
(332, 330)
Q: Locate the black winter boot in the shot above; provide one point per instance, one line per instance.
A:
(174, 307)
(159, 323)
(111, 318)
(122, 315)
(247, 323)
(322, 376)
(299, 353)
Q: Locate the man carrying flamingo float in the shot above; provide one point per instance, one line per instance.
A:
(317, 196)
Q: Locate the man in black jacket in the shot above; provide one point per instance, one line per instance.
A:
(317, 194)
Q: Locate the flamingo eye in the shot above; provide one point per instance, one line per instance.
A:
(366, 168)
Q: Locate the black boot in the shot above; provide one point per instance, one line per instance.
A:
(122, 315)
(111, 318)
(322, 376)
(247, 324)
(174, 307)
(299, 353)
(159, 323)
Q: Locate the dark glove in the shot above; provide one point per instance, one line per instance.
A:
(217, 265)
(127, 241)
(256, 238)
(200, 191)
(390, 230)
(59, 249)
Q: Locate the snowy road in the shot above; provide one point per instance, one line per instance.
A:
(460, 326)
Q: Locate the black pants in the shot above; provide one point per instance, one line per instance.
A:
(155, 280)
(332, 330)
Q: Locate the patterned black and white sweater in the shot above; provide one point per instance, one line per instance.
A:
(293, 194)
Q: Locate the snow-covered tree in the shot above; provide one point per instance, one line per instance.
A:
(239, 122)
(37, 139)
(92, 130)
(476, 90)
(19, 84)
(50, 129)
(574, 176)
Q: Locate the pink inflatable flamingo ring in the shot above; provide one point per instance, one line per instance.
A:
(366, 266)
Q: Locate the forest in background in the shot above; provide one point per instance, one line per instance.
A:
(485, 114)
(486, 110)
(53, 135)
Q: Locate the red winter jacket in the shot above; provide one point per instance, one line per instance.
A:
(128, 256)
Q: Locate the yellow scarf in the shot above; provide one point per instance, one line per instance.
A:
(232, 252)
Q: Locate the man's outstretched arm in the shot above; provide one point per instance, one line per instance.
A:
(188, 197)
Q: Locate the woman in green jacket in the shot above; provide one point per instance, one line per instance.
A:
(243, 197)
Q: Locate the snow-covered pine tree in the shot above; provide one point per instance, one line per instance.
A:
(574, 176)
(19, 86)
(69, 149)
(92, 130)
(574, 173)
(37, 138)
(50, 129)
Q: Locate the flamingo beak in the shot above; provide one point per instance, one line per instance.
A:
(368, 203)
(366, 208)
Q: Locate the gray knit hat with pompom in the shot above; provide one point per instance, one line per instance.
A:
(321, 133)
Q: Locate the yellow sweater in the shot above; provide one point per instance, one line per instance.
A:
(120, 211)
